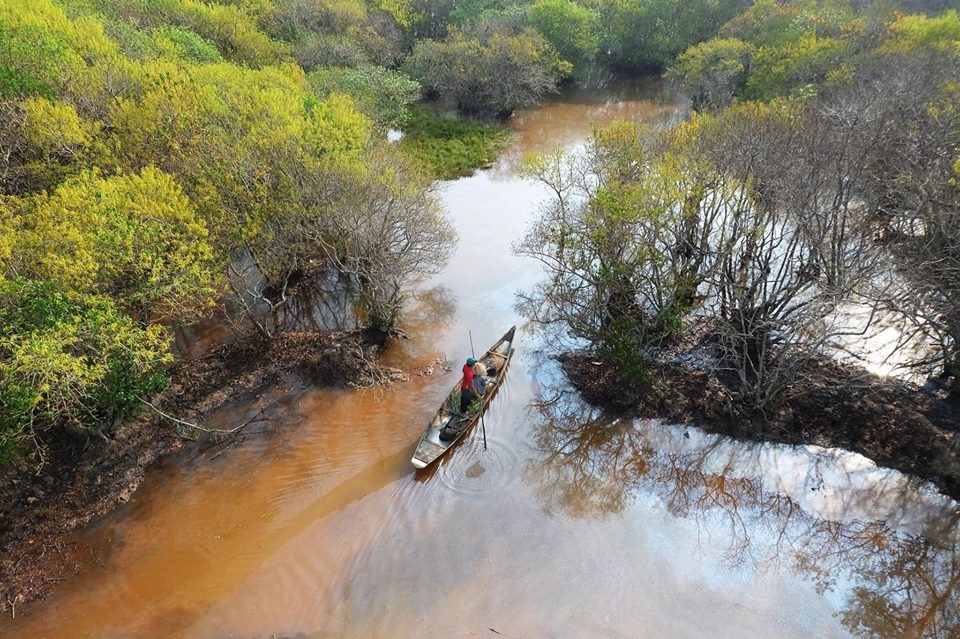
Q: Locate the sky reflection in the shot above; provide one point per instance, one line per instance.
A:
(892, 582)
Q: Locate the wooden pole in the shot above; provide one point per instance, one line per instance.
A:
(483, 425)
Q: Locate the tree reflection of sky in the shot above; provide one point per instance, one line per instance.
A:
(892, 582)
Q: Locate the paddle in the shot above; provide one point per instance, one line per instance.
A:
(483, 426)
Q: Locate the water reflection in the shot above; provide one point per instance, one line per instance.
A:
(323, 303)
(590, 463)
(894, 583)
(567, 121)
(426, 309)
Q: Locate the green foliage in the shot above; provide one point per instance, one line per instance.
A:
(794, 48)
(234, 32)
(572, 29)
(50, 127)
(69, 360)
(73, 60)
(30, 58)
(9, 229)
(608, 241)
(472, 10)
(494, 76)
(916, 31)
(648, 34)
(381, 94)
(453, 402)
(22, 70)
(318, 50)
(147, 144)
(806, 61)
(188, 45)
(236, 138)
(619, 345)
(400, 10)
(297, 18)
(133, 42)
(344, 33)
(767, 24)
(135, 237)
(714, 71)
(452, 147)
(473, 409)
(41, 142)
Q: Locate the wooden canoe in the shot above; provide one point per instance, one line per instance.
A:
(448, 426)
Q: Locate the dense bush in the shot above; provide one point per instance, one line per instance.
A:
(470, 72)
(382, 95)
(149, 153)
(452, 147)
(771, 215)
(69, 361)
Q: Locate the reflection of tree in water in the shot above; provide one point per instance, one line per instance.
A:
(901, 585)
(909, 588)
(322, 303)
(426, 309)
(591, 466)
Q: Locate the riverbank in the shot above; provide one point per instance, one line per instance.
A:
(86, 478)
(913, 429)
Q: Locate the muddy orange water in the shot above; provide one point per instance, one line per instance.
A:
(567, 524)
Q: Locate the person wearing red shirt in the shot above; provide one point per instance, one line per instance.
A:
(467, 392)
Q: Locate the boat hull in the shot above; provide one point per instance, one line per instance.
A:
(431, 446)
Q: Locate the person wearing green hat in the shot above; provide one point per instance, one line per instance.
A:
(467, 392)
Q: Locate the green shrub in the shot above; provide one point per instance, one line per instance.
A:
(452, 147)
(381, 94)
(69, 360)
(28, 61)
(620, 346)
(190, 46)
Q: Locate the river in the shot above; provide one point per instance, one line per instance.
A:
(567, 523)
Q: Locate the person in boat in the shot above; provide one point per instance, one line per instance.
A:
(467, 391)
(479, 379)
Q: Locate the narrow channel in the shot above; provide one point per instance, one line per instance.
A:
(568, 524)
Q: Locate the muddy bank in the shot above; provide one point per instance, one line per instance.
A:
(898, 425)
(84, 478)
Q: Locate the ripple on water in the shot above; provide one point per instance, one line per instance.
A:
(473, 470)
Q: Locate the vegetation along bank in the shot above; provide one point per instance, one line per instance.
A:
(812, 201)
(166, 161)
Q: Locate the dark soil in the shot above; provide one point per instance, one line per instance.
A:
(85, 477)
(912, 429)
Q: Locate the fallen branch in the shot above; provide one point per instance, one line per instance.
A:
(202, 429)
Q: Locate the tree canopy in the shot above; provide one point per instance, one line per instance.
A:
(824, 149)
(149, 148)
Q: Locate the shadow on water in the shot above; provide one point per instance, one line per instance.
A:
(610, 89)
(894, 584)
(325, 301)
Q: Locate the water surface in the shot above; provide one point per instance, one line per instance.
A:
(568, 523)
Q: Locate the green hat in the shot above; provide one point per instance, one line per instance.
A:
(471, 361)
